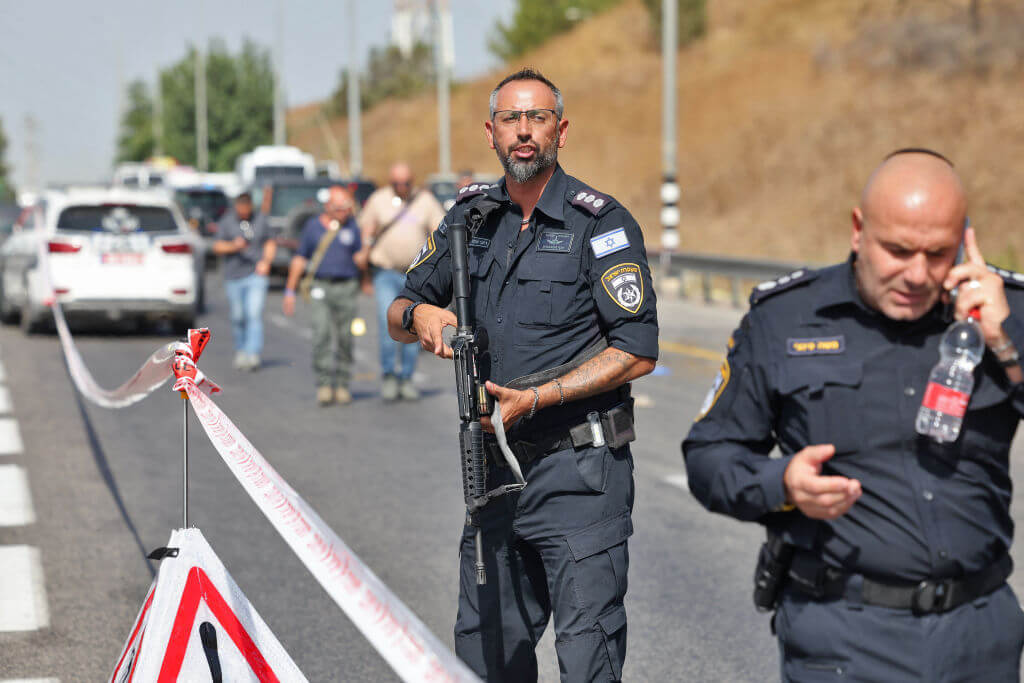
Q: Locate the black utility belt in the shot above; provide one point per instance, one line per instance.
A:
(931, 596)
(615, 430)
(332, 280)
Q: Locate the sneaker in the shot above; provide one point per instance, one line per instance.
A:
(241, 358)
(342, 396)
(389, 388)
(324, 395)
(408, 391)
(252, 361)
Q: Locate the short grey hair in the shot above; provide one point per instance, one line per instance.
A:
(529, 74)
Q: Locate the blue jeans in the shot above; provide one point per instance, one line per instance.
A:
(246, 297)
(386, 286)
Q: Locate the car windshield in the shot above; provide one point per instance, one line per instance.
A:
(117, 218)
(287, 197)
(212, 203)
(265, 172)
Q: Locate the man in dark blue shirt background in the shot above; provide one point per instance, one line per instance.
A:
(327, 245)
(900, 544)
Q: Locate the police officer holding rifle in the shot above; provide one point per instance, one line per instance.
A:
(559, 317)
(887, 554)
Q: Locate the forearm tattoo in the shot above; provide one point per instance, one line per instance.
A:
(607, 370)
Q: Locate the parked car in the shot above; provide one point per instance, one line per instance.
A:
(112, 253)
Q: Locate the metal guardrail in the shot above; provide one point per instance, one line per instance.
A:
(737, 270)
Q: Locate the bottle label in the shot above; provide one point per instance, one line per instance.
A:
(942, 399)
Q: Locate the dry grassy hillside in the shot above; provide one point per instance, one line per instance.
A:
(785, 107)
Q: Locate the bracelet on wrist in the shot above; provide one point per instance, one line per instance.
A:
(289, 293)
(533, 408)
(561, 396)
(1002, 347)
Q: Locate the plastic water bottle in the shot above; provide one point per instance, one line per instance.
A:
(952, 381)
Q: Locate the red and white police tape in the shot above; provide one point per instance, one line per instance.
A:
(399, 636)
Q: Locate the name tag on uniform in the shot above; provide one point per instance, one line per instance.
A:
(480, 242)
(559, 241)
(816, 346)
(609, 242)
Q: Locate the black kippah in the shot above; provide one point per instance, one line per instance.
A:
(918, 150)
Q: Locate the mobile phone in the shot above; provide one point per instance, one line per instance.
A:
(961, 255)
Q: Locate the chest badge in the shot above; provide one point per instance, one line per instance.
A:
(625, 286)
(559, 241)
(816, 346)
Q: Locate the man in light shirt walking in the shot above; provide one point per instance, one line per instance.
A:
(395, 222)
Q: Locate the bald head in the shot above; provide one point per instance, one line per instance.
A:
(339, 204)
(400, 177)
(914, 187)
(906, 232)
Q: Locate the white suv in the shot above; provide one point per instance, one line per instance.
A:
(114, 253)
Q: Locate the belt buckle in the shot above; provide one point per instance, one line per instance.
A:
(930, 596)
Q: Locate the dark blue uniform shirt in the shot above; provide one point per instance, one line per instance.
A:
(545, 294)
(337, 263)
(811, 364)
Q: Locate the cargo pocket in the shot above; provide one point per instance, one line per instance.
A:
(545, 292)
(828, 391)
(600, 560)
(592, 465)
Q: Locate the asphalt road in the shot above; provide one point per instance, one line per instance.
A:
(106, 488)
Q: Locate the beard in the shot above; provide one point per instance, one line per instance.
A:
(525, 171)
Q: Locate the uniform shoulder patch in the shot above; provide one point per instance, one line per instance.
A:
(1009, 277)
(589, 200)
(624, 285)
(470, 191)
(786, 282)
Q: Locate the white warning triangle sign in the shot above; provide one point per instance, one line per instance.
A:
(196, 625)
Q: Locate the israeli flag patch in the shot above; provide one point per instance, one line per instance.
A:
(609, 242)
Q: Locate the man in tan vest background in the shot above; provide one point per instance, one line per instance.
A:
(395, 222)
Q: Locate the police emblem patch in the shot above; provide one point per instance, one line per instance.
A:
(625, 286)
(426, 251)
(717, 387)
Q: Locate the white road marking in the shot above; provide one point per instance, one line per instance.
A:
(10, 437)
(677, 480)
(5, 401)
(15, 497)
(22, 592)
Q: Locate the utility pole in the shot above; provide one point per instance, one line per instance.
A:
(158, 118)
(32, 182)
(669, 187)
(444, 59)
(355, 134)
(202, 151)
(279, 132)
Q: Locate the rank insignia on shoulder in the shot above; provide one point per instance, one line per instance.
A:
(473, 190)
(609, 242)
(1010, 277)
(590, 201)
(425, 252)
(816, 346)
(625, 285)
(772, 287)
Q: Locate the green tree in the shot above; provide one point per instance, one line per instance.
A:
(693, 19)
(388, 74)
(535, 21)
(135, 140)
(6, 187)
(239, 104)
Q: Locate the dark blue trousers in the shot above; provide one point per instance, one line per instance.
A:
(558, 547)
(840, 640)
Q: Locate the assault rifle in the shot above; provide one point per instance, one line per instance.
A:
(474, 401)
